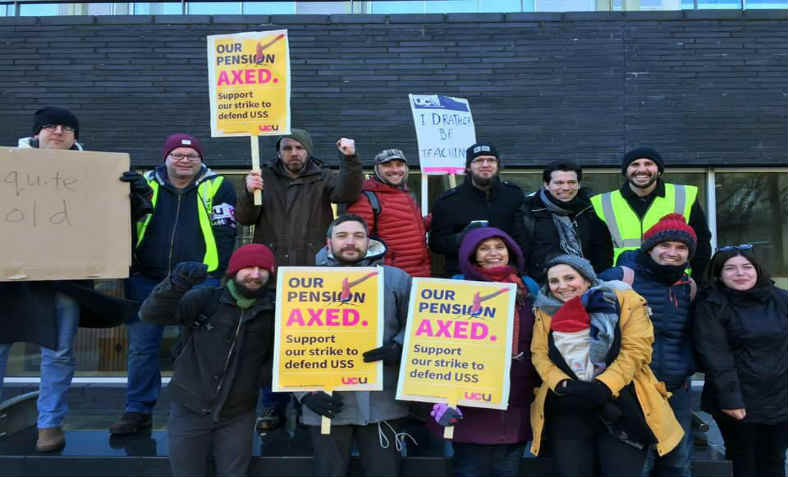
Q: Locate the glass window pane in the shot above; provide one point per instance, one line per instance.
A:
(753, 4)
(41, 10)
(322, 8)
(752, 208)
(395, 7)
(564, 5)
(719, 4)
(213, 8)
(147, 8)
(269, 8)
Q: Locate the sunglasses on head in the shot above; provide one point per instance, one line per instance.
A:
(728, 248)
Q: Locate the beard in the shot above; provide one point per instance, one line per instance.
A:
(648, 184)
(247, 292)
(482, 181)
(338, 255)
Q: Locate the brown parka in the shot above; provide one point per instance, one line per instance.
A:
(296, 213)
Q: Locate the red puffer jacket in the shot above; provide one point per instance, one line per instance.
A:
(400, 225)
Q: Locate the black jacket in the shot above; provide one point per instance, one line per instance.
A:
(173, 234)
(543, 242)
(224, 351)
(457, 207)
(742, 343)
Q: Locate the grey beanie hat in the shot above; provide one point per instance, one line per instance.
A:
(582, 265)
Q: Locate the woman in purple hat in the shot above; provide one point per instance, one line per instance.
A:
(489, 441)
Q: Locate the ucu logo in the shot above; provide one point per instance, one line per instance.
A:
(354, 380)
(478, 396)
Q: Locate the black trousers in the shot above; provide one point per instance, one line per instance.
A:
(193, 438)
(581, 446)
(754, 449)
(332, 451)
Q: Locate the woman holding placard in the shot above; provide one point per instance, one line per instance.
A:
(600, 413)
(489, 441)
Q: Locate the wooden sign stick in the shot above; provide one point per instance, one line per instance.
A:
(325, 423)
(255, 143)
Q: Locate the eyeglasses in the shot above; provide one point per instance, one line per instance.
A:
(53, 127)
(191, 157)
(484, 160)
(728, 248)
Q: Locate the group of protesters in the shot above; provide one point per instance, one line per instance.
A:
(619, 302)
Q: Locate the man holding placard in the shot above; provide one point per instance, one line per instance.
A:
(192, 219)
(297, 193)
(481, 200)
(362, 416)
(49, 312)
(297, 196)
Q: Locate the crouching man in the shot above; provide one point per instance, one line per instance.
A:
(226, 344)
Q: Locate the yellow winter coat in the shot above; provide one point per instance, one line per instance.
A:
(631, 365)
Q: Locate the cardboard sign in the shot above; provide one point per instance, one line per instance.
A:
(326, 318)
(458, 343)
(444, 130)
(249, 82)
(63, 215)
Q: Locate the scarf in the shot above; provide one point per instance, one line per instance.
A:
(563, 224)
(240, 300)
(601, 304)
(667, 274)
(508, 274)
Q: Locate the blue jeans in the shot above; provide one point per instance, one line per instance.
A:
(57, 365)
(144, 369)
(676, 463)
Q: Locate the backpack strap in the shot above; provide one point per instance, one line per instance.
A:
(628, 275)
(693, 289)
(374, 203)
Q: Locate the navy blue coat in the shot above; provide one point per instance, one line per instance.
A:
(670, 308)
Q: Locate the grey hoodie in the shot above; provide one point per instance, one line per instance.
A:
(366, 407)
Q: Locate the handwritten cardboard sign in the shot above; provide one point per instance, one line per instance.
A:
(63, 215)
(458, 343)
(326, 318)
(444, 130)
(249, 82)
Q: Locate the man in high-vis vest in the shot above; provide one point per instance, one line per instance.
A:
(644, 199)
(193, 220)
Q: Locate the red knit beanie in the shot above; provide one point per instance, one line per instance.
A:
(174, 141)
(252, 255)
(672, 227)
(571, 317)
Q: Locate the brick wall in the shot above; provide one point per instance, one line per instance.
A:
(703, 87)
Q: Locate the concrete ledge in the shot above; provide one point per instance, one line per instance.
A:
(182, 19)
(242, 19)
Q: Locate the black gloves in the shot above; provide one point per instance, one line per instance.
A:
(323, 404)
(592, 394)
(141, 195)
(187, 274)
(138, 183)
(389, 354)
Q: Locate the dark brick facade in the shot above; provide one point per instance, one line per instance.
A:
(704, 87)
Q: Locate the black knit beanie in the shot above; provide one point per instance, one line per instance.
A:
(642, 153)
(52, 115)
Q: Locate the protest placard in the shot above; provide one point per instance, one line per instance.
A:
(458, 343)
(326, 318)
(63, 215)
(444, 130)
(249, 83)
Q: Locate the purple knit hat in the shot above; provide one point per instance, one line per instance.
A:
(174, 141)
(471, 241)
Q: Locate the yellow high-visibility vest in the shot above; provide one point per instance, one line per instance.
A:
(205, 194)
(626, 228)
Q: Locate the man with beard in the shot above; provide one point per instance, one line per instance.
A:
(657, 272)
(644, 199)
(390, 209)
(227, 344)
(481, 200)
(371, 419)
(296, 210)
(559, 220)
